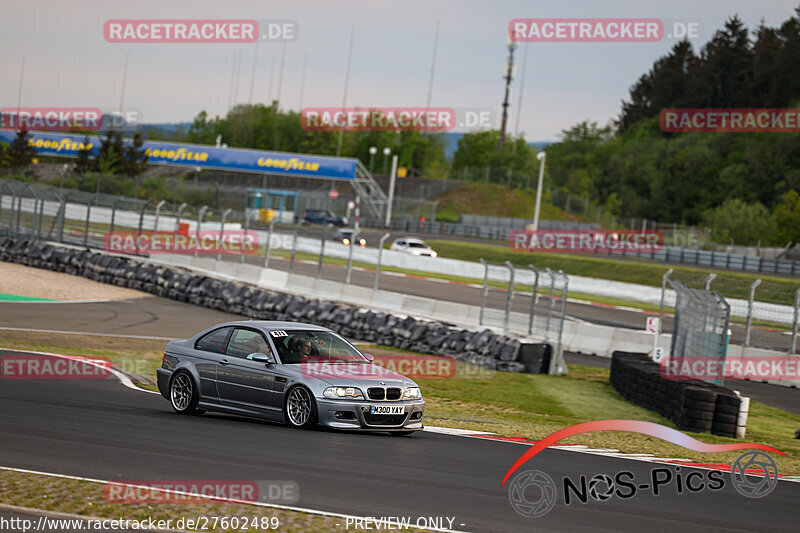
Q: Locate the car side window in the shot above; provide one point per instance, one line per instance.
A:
(214, 341)
(245, 342)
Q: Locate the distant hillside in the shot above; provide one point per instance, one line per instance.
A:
(451, 144)
(495, 200)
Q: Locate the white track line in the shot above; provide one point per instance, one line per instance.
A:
(215, 500)
(119, 375)
(100, 300)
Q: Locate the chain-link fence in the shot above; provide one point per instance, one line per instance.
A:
(527, 300)
(756, 304)
(701, 327)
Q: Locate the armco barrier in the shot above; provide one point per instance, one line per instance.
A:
(467, 269)
(482, 348)
(693, 405)
(579, 337)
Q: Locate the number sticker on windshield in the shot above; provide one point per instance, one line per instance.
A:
(279, 334)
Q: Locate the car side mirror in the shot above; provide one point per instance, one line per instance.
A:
(262, 358)
(369, 357)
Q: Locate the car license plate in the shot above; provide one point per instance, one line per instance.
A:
(386, 410)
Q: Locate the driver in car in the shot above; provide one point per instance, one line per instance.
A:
(304, 347)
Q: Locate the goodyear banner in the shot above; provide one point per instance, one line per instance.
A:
(196, 155)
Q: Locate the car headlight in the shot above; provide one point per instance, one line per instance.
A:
(362, 242)
(346, 241)
(343, 392)
(433, 254)
(412, 393)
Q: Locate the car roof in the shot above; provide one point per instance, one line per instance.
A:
(271, 325)
(413, 239)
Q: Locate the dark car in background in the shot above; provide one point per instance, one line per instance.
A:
(345, 236)
(322, 216)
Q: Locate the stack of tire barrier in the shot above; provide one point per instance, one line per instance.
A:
(536, 357)
(693, 405)
(483, 348)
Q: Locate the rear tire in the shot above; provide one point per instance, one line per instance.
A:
(183, 393)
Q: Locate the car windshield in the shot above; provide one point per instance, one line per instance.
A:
(301, 346)
(413, 244)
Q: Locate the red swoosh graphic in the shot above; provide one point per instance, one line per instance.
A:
(636, 426)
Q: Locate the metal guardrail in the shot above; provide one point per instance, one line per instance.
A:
(546, 312)
(668, 254)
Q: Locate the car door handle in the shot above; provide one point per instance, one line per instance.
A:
(223, 361)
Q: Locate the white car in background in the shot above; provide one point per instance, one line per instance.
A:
(413, 246)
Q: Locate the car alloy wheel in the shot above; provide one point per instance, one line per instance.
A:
(182, 393)
(300, 408)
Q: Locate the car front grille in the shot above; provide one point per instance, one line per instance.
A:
(379, 393)
(384, 420)
(376, 393)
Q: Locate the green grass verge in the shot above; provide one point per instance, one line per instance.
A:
(534, 406)
(17, 298)
(87, 499)
(630, 271)
(495, 200)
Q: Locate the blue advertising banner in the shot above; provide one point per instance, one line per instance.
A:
(200, 156)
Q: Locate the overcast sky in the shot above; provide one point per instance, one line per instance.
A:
(69, 63)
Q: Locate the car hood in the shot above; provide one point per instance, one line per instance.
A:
(353, 374)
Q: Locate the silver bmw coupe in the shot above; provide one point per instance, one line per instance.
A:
(288, 372)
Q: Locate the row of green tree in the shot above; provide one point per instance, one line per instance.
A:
(743, 185)
(731, 70)
(269, 128)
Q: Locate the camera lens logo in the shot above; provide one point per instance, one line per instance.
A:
(753, 485)
(601, 487)
(532, 493)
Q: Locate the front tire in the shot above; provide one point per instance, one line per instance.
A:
(183, 393)
(300, 408)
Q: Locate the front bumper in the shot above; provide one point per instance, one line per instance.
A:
(349, 414)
